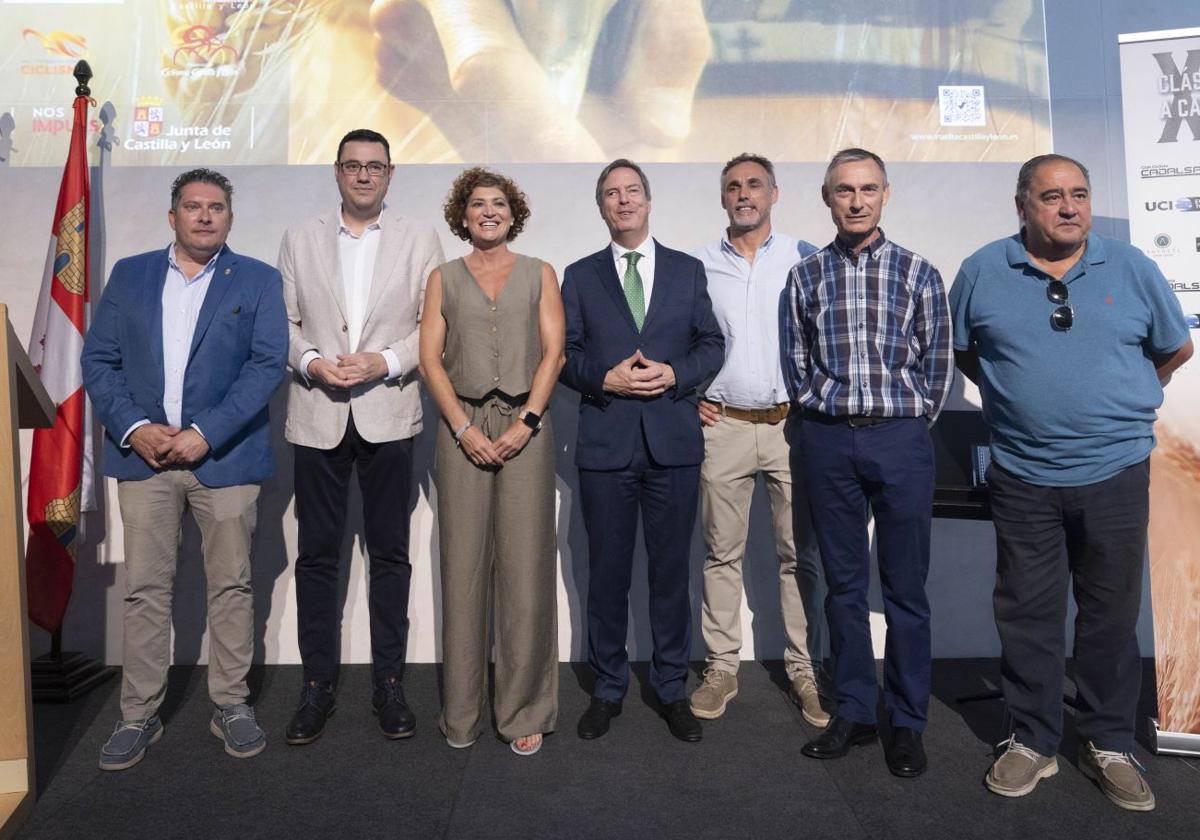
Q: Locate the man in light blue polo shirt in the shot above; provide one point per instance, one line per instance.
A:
(744, 415)
(1069, 336)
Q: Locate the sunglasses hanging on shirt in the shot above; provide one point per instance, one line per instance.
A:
(1063, 316)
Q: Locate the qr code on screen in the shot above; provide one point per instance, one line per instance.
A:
(961, 104)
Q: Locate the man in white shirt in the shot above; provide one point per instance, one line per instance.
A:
(354, 282)
(744, 413)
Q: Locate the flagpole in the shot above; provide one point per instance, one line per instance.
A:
(63, 677)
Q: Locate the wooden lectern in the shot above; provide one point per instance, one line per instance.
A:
(24, 404)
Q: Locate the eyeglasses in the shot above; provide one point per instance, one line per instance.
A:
(1063, 316)
(375, 169)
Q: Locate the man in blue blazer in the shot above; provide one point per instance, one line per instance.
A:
(642, 342)
(186, 348)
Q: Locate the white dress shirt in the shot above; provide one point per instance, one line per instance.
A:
(645, 266)
(181, 302)
(357, 256)
(746, 299)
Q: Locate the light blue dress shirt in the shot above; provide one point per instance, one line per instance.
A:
(181, 302)
(746, 299)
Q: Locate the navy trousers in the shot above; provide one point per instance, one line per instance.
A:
(1095, 537)
(887, 468)
(611, 499)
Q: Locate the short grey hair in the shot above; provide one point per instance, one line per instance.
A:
(749, 157)
(620, 163)
(849, 156)
(1030, 167)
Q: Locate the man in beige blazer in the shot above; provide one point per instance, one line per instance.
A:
(354, 283)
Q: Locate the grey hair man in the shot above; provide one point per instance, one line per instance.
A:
(1069, 336)
(747, 436)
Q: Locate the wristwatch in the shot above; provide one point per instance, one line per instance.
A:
(533, 421)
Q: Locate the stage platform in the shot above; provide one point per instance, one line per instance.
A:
(746, 779)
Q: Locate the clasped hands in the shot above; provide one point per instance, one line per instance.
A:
(163, 447)
(638, 376)
(351, 369)
(485, 452)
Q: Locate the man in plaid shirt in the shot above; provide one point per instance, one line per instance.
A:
(867, 358)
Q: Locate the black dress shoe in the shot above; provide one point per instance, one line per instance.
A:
(838, 737)
(395, 718)
(316, 706)
(594, 722)
(906, 758)
(681, 721)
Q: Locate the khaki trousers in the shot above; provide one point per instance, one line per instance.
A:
(152, 512)
(497, 542)
(735, 453)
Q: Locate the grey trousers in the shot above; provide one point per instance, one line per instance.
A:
(736, 452)
(152, 512)
(498, 551)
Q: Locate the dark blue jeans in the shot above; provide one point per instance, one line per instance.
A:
(1095, 537)
(887, 468)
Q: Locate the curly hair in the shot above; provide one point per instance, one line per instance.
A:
(455, 208)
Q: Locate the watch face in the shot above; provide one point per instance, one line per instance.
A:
(531, 420)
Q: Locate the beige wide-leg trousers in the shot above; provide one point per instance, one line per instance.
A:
(498, 550)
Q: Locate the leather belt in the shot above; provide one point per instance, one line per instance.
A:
(854, 421)
(770, 415)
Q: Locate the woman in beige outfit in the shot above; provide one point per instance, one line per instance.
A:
(491, 348)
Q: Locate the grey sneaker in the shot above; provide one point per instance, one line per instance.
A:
(236, 726)
(716, 690)
(1019, 769)
(1118, 775)
(806, 695)
(127, 745)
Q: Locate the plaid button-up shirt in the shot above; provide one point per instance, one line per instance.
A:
(867, 334)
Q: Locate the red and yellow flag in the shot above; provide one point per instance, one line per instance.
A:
(57, 481)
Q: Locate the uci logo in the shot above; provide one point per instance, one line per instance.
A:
(1187, 204)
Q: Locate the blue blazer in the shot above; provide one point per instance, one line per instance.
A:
(237, 360)
(679, 329)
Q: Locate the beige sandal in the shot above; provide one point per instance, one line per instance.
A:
(531, 750)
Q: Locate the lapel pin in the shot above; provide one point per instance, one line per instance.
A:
(236, 310)
(228, 271)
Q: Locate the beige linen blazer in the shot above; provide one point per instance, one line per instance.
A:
(309, 261)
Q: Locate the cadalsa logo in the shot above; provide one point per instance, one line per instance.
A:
(1187, 204)
(1166, 170)
(60, 49)
(1180, 86)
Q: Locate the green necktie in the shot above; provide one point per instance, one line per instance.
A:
(635, 295)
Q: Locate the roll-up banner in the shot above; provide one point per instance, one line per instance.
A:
(1160, 97)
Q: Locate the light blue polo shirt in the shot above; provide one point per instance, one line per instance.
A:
(1067, 408)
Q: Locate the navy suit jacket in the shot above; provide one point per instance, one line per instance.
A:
(237, 361)
(679, 329)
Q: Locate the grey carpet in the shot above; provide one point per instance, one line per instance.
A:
(746, 779)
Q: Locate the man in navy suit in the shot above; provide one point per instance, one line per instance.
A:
(187, 346)
(642, 342)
